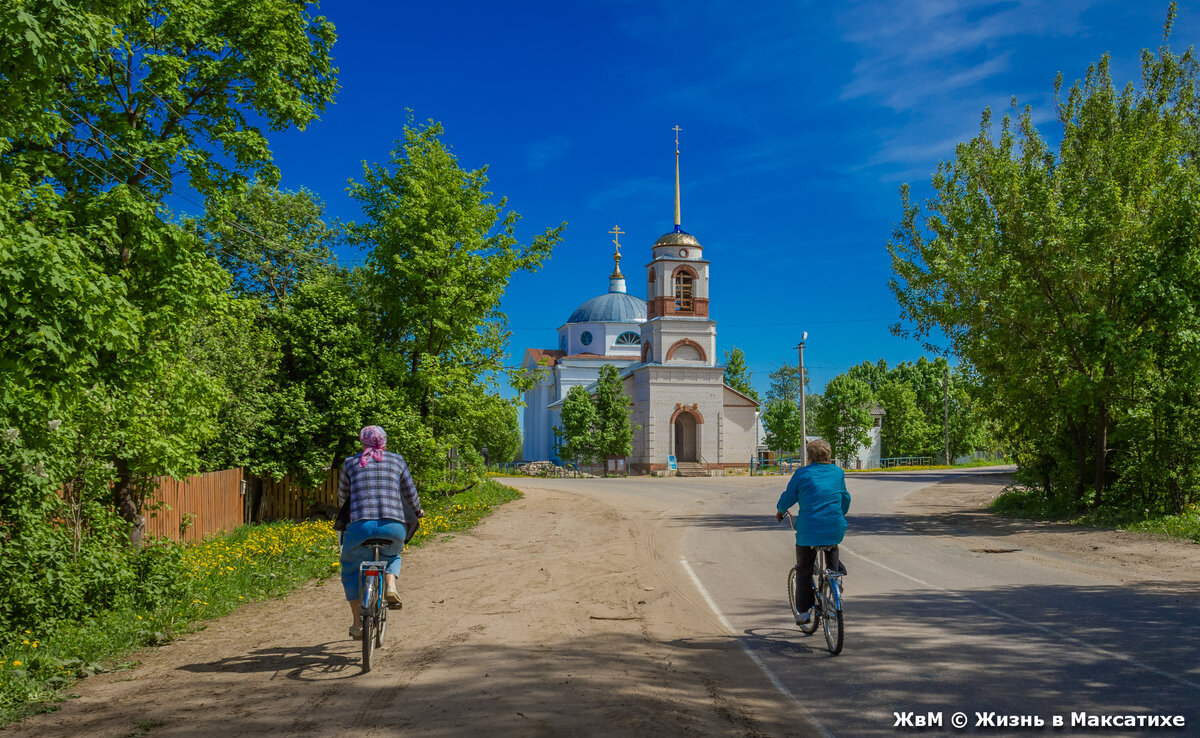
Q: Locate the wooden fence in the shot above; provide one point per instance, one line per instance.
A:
(190, 509)
(288, 500)
(208, 503)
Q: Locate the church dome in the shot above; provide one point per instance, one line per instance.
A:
(677, 238)
(614, 307)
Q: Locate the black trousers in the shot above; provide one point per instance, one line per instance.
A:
(805, 556)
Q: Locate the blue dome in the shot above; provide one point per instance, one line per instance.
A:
(615, 307)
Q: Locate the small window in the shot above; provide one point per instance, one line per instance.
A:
(562, 343)
(629, 338)
(586, 338)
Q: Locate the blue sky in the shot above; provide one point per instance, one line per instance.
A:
(800, 122)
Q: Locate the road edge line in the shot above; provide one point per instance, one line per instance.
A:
(779, 685)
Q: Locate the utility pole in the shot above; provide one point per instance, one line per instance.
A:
(803, 427)
(946, 386)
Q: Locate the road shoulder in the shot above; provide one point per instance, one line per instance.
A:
(959, 509)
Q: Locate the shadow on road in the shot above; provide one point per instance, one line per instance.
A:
(1022, 650)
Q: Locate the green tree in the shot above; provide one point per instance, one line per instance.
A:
(844, 417)
(781, 420)
(442, 253)
(875, 375)
(104, 107)
(781, 416)
(498, 429)
(904, 430)
(577, 426)
(614, 433)
(268, 239)
(737, 374)
(1065, 279)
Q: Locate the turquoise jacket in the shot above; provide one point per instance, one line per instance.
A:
(821, 491)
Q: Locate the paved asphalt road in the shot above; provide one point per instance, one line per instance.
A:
(933, 625)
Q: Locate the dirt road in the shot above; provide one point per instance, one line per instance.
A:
(556, 616)
(559, 615)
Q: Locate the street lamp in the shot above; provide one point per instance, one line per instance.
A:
(803, 428)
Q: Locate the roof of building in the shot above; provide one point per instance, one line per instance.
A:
(545, 357)
(613, 307)
(677, 238)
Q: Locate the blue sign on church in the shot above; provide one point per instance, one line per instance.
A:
(671, 465)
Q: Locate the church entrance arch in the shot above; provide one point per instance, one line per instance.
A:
(685, 437)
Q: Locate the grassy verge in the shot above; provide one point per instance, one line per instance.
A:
(1034, 504)
(200, 582)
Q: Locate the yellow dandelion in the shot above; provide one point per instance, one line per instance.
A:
(16, 663)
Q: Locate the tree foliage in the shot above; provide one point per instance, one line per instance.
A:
(614, 433)
(577, 426)
(106, 108)
(737, 374)
(1068, 279)
(844, 416)
(442, 253)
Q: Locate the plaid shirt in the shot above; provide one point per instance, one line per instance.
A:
(375, 489)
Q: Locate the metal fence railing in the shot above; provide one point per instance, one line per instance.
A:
(892, 461)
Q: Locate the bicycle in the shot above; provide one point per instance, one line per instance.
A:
(827, 597)
(374, 607)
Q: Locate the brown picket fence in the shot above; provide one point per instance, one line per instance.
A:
(209, 503)
(217, 502)
(287, 499)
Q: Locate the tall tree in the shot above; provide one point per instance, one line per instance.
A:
(269, 239)
(614, 434)
(577, 426)
(442, 253)
(737, 374)
(104, 106)
(904, 431)
(1063, 276)
(844, 417)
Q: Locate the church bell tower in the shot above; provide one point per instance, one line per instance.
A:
(678, 330)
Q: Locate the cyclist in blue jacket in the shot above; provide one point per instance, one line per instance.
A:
(820, 490)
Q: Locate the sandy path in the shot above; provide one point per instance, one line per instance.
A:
(556, 616)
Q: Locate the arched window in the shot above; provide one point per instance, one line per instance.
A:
(683, 292)
(629, 338)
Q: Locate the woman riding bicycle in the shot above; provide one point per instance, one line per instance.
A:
(374, 481)
(820, 490)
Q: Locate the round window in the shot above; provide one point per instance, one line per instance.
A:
(683, 252)
(586, 338)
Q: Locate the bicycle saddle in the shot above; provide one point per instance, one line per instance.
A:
(377, 542)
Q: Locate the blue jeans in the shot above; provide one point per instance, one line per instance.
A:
(354, 553)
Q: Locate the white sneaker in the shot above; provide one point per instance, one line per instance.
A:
(802, 618)
(392, 597)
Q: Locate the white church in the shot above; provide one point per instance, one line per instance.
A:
(665, 349)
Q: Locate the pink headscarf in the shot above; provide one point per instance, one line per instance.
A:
(374, 440)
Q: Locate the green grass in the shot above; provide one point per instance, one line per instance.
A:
(255, 562)
(1034, 504)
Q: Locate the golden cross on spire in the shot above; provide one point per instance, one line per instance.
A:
(616, 231)
(677, 129)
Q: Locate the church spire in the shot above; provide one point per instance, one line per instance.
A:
(616, 280)
(677, 129)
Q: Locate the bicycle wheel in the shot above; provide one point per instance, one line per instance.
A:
(811, 625)
(831, 616)
(381, 623)
(370, 594)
